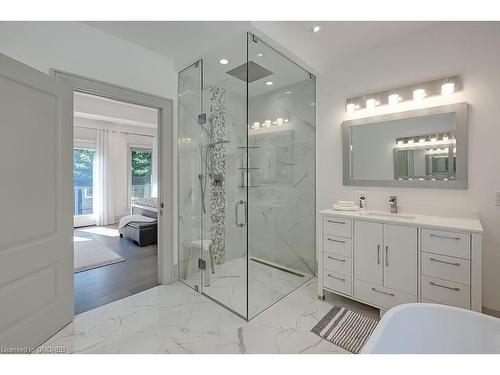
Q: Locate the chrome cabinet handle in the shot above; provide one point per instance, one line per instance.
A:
(378, 254)
(387, 256)
(337, 259)
(445, 237)
(236, 214)
(444, 286)
(381, 291)
(331, 239)
(336, 222)
(335, 277)
(445, 262)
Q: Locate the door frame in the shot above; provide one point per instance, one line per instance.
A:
(166, 157)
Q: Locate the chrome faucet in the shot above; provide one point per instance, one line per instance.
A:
(393, 202)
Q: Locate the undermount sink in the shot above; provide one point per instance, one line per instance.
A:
(397, 216)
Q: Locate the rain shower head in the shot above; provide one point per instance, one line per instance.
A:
(255, 72)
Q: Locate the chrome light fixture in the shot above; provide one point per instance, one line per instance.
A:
(417, 92)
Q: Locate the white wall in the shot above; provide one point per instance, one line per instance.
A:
(468, 49)
(82, 49)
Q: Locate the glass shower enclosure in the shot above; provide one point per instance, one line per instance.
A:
(246, 175)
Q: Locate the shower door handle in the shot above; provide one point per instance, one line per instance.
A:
(237, 214)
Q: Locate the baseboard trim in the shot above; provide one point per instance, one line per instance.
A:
(491, 312)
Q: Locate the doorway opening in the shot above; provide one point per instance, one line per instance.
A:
(115, 198)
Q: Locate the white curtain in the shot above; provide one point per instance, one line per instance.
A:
(103, 197)
(154, 169)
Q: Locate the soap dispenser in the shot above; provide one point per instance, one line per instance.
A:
(362, 200)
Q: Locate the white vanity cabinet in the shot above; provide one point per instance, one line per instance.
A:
(388, 260)
(385, 263)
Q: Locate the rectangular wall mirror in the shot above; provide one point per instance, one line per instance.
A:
(420, 148)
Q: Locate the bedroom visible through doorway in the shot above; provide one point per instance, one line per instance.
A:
(115, 190)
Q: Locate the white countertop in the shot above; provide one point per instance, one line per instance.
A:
(427, 221)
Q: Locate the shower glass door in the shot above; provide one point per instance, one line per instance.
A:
(246, 154)
(189, 169)
(224, 149)
(281, 141)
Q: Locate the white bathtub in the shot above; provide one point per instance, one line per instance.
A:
(431, 328)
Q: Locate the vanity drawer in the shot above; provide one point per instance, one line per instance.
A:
(337, 263)
(337, 282)
(445, 292)
(337, 226)
(446, 243)
(337, 245)
(379, 296)
(447, 268)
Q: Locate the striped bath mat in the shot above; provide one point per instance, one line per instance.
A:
(345, 328)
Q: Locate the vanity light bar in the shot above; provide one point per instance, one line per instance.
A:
(419, 92)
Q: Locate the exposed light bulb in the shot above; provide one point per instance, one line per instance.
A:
(350, 107)
(260, 54)
(316, 28)
(269, 83)
(394, 99)
(447, 89)
(224, 61)
(371, 104)
(419, 95)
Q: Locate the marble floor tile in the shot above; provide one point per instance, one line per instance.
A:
(176, 319)
(266, 285)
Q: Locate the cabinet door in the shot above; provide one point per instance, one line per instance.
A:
(368, 255)
(400, 258)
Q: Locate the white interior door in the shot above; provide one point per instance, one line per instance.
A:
(400, 258)
(36, 244)
(368, 251)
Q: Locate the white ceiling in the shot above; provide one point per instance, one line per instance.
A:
(185, 41)
(95, 107)
(182, 41)
(336, 39)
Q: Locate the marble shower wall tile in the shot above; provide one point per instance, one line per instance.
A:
(282, 209)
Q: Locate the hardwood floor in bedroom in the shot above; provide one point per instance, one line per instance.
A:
(100, 286)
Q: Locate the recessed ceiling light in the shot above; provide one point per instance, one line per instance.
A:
(260, 55)
(288, 92)
(316, 28)
(269, 83)
(224, 61)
